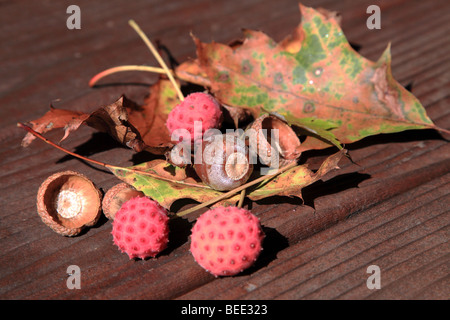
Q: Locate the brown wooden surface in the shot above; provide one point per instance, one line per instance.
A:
(390, 210)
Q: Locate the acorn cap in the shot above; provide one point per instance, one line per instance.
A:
(116, 196)
(68, 201)
(288, 141)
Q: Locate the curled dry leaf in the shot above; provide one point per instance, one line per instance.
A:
(150, 118)
(55, 119)
(137, 127)
(112, 119)
(291, 182)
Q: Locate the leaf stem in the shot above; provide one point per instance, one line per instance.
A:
(157, 56)
(112, 70)
(111, 167)
(241, 199)
(441, 129)
(236, 190)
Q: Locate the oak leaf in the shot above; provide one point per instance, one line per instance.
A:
(173, 183)
(150, 118)
(291, 182)
(176, 183)
(137, 127)
(313, 79)
(112, 119)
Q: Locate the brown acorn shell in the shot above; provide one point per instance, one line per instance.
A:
(68, 201)
(116, 196)
(221, 174)
(289, 141)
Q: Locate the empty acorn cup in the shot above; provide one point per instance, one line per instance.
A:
(275, 142)
(68, 202)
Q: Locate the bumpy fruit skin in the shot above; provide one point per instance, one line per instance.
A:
(226, 240)
(197, 106)
(140, 228)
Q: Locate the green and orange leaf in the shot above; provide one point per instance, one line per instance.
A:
(170, 183)
(291, 182)
(315, 80)
(178, 183)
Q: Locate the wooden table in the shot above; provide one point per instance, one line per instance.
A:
(390, 209)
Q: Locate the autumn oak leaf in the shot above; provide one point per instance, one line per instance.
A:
(314, 79)
(169, 183)
(172, 183)
(291, 182)
(111, 119)
(150, 118)
(55, 119)
(139, 127)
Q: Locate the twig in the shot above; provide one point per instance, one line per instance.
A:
(441, 129)
(158, 57)
(241, 199)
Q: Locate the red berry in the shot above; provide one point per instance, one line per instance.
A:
(140, 228)
(226, 240)
(197, 106)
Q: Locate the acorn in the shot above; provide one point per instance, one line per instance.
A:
(116, 196)
(68, 202)
(279, 152)
(222, 162)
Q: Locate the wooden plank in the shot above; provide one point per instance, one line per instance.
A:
(388, 209)
(332, 264)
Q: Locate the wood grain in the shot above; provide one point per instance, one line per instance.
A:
(389, 207)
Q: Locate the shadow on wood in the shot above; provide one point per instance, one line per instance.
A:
(274, 242)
